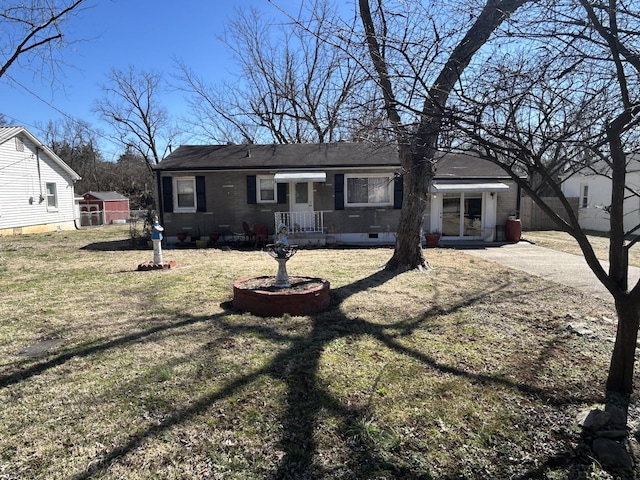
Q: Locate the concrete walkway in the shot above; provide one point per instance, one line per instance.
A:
(564, 268)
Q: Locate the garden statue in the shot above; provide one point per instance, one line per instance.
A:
(156, 238)
(282, 251)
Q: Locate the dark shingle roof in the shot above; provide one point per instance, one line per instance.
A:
(293, 155)
(307, 156)
(106, 196)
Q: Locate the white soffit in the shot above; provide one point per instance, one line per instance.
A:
(286, 177)
(468, 187)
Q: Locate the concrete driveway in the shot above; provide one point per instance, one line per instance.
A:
(564, 268)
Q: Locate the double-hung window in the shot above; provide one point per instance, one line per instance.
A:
(184, 194)
(585, 196)
(266, 189)
(369, 190)
(52, 197)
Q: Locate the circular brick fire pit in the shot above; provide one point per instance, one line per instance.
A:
(260, 296)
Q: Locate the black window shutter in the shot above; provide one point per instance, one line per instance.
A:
(251, 189)
(398, 192)
(201, 199)
(282, 192)
(338, 186)
(167, 194)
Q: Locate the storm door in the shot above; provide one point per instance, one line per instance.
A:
(462, 215)
(301, 205)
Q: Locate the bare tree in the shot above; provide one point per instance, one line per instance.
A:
(416, 94)
(131, 105)
(295, 87)
(570, 103)
(32, 32)
(74, 141)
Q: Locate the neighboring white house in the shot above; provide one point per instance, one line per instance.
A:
(36, 186)
(592, 186)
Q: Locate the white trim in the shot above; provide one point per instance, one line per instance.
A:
(299, 177)
(176, 207)
(51, 195)
(259, 198)
(468, 187)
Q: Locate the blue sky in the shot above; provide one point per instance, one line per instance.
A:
(116, 33)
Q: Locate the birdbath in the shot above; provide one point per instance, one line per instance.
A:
(272, 297)
(282, 252)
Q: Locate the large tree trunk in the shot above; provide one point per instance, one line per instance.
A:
(418, 174)
(620, 379)
(417, 160)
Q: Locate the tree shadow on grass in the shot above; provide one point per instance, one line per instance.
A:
(119, 245)
(84, 350)
(307, 399)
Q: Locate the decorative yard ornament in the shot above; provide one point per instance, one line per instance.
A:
(156, 238)
(282, 252)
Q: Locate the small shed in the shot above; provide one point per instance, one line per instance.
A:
(102, 208)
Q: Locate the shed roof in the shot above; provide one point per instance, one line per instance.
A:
(106, 196)
(301, 156)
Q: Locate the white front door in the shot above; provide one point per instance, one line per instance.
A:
(301, 205)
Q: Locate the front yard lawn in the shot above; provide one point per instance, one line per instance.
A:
(468, 371)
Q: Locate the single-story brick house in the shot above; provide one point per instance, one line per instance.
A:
(103, 208)
(335, 193)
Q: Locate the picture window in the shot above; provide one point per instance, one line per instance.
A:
(373, 190)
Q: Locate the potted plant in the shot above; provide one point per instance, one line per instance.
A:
(182, 236)
(432, 239)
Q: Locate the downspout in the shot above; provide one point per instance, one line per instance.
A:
(39, 175)
(76, 211)
(159, 193)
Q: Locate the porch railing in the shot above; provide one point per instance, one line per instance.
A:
(301, 222)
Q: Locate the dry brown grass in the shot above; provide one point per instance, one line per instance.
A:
(468, 371)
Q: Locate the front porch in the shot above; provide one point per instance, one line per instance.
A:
(297, 222)
(305, 228)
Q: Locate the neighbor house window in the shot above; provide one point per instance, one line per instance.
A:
(19, 144)
(184, 194)
(372, 190)
(266, 191)
(52, 196)
(585, 196)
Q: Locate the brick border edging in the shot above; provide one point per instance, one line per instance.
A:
(266, 303)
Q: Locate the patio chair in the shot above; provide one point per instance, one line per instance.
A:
(262, 237)
(249, 235)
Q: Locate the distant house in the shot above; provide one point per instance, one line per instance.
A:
(37, 187)
(102, 208)
(592, 185)
(343, 193)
